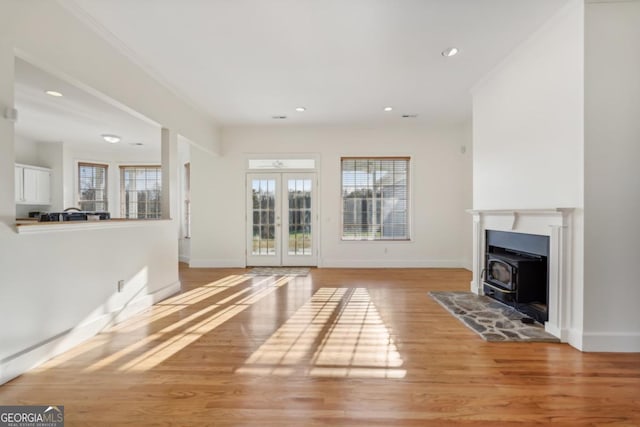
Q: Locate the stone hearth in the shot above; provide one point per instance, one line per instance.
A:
(490, 319)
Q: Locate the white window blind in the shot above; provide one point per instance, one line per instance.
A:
(375, 198)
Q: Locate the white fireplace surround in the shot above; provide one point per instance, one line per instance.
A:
(555, 223)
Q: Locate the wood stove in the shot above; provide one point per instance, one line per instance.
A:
(516, 271)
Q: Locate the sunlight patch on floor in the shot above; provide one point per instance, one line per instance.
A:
(337, 333)
(174, 337)
(179, 302)
(172, 344)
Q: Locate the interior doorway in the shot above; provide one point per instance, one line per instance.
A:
(281, 219)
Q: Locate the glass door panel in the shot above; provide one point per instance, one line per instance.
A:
(263, 246)
(269, 243)
(299, 195)
(299, 217)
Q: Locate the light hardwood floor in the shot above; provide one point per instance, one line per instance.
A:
(339, 347)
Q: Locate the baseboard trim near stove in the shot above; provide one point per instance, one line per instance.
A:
(614, 342)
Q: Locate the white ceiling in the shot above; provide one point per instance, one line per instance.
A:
(77, 118)
(244, 61)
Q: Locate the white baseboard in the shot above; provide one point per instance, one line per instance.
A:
(613, 342)
(21, 362)
(607, 342)
(184, 258)
(561, 334)
(474, 288)
(386, 263)
(338, 263)
(218, 263)
(573, 337)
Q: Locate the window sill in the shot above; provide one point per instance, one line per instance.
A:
(31, 227)
(377, 240)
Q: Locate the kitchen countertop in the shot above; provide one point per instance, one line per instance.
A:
(27, 225)
(23, 221)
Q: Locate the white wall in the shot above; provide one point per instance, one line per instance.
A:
(59, 288)
(528, 122)
(51, 155)
(467, 178)
(562, 114)
(27, 151)
(528, 136)
(612, 177)
(439, 193)
(7, 145)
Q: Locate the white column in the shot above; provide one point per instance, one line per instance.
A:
(560, 277)
(7, 149)
(555, 297)
(478, 254)
(169, 201)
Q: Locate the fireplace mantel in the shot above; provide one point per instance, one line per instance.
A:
(553, 222)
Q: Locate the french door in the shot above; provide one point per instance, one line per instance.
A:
(281, 219)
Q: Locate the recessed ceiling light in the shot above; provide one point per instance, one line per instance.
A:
(300, 109)
(111, 139)
(388, 108)
(450, 51)
(279, 117)
(53, 93)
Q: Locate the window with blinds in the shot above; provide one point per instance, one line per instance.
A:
(92, 187)
(375, 198)
(140, 191)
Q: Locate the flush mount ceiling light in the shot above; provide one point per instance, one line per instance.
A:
(53, 93)
(450, 51)
(111, 139)
(300, 109)
(388, 108)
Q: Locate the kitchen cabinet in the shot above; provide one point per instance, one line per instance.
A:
(33, 185)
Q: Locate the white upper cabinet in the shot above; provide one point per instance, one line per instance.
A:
(33, 185)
